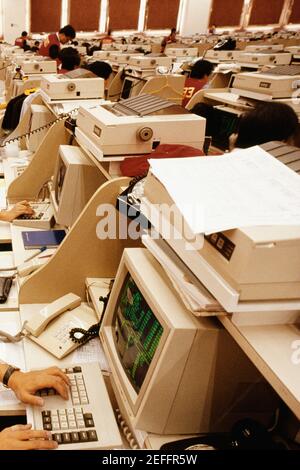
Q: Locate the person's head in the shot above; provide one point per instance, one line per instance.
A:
(24, 34)
(202, 69)
(100, 68)
(70, 58)
(66, 34)
(173, 33)
(265, 123)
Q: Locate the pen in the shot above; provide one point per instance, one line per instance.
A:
(14, 268)
(43, 248)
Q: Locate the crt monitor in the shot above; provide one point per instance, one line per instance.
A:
(126, 89)
(173, 373)
(75, 181)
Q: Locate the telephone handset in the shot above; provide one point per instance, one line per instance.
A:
(50, 328)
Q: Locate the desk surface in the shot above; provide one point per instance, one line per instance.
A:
(273, 350)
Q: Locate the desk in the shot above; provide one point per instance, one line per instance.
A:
(13, 353)
(269, 347)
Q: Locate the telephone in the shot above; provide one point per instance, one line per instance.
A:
(30, 266)
(42, 218)
(50, 328)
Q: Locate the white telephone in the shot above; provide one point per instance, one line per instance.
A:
(51, 326)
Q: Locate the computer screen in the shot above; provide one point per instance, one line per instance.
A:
(126, 90)
(75, 181)
(137, 332)
(59, 181)
(225, 125)
(173, 373)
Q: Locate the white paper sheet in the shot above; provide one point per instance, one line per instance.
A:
(242, 189)
(91, 352)
(11, 354)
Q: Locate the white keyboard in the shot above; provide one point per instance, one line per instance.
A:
(42, 218)
(86, 420)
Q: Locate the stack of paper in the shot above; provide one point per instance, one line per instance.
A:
(194, 295)
(243, 189)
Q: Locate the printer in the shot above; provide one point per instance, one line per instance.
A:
(176, 52)
(279, 82)
(260, 263)
(265, 48)
(222, 56)
(32, 67)
(265, 58)
(135, 126)
(149, 62)
(77, 84)
(118, 59)
(252, 264)
(101, 55)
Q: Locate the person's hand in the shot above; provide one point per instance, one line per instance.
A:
(22, 437)
(26, 384)
(20, 208)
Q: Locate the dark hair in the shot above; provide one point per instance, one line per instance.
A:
(201, 68)
(68, 31)
(173, 30)
(24, 33)
(69, 57)
(100, 68)
(265, 123)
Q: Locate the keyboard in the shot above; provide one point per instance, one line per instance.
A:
(290, 70)
(86, 421)
(42, 218)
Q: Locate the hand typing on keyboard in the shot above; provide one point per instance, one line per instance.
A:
(25, 385)
(17, 210)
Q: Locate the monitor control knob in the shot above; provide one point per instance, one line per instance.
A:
(145, 134)
(71, 87)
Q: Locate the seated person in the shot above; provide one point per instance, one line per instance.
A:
(101, 69)
(51, 46)
(70, 59)
(18, 209)
(168, 40)
(22, 41)
(35, 47)
(107, 39)
(265, 123)
(198, 79)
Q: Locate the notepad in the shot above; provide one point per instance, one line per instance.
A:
(39, 238)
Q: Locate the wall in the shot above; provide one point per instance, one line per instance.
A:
(14, 19)
(195, 17)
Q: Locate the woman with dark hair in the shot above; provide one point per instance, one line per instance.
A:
(266, 122)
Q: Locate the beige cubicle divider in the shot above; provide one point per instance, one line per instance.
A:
(115, 87)
(41, 168)
(169, 87)
(23, 126)
(82, 254)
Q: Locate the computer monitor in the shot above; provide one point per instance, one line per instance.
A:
(225, 124)
(75, 181)
(174, 373)
(126, 89)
